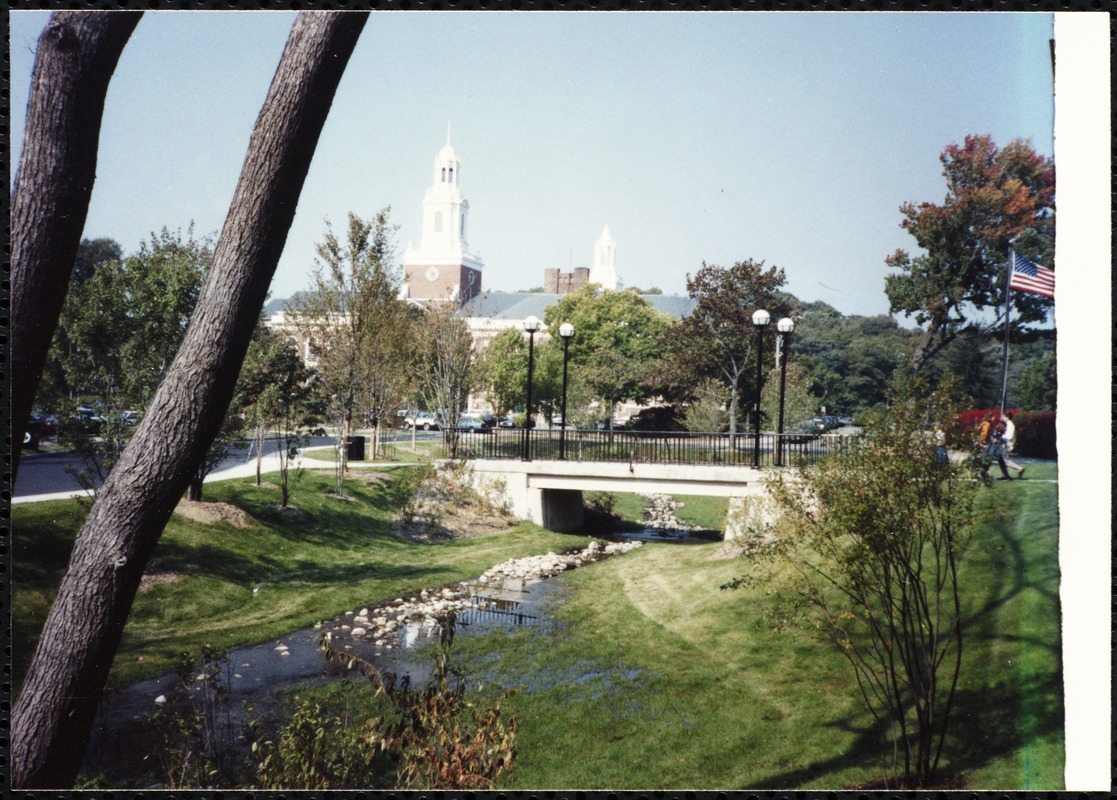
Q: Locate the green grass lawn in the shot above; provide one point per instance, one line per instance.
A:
(653, 678)
(307, 568)
(649, 676)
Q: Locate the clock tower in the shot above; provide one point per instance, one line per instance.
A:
(441, 267)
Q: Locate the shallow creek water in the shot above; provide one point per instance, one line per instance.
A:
(393, 636)
(253, 674)
(123, 735)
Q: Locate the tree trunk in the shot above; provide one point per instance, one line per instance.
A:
(77, 54)
(53, 715)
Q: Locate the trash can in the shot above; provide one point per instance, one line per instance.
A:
(355, 449)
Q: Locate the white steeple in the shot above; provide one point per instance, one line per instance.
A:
(442, 258)
(604, 271)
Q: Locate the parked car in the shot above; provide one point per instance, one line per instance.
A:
(89, 421)
(472, 425)
(506, 422)
(655, 418)
(845, 420)
(804, 432)
(129, 417)
(426, 421)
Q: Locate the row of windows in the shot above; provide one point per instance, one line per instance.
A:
(451, 173)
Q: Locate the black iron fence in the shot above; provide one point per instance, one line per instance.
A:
(650, 447)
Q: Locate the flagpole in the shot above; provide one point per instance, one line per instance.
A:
(1008, 310)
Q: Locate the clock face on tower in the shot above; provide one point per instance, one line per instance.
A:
(432, 274)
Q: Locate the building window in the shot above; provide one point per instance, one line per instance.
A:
(444, 174)
(451, 174)
(311, 350)
(438, 222)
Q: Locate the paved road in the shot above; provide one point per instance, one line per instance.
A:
(44, 476)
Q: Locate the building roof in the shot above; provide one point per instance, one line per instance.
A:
(521, 305)
(515, 306)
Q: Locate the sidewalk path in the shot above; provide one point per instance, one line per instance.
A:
(245, 469)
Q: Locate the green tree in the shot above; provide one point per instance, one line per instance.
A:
(1037, 388)
(956, 288)
(850, 360)
(118, 331)
(446, 374)
(358, 325)
(92, 253)
(502, 370)
(707, 410)
(877, 532)
(799, 404)
(718, 339)
(615, 342)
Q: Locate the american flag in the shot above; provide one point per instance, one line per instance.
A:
(1032, 278)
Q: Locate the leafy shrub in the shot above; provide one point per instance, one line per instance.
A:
(601, 502)
(435, 737)
(195, 740)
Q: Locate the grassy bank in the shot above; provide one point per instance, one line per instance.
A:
(648, 677)
(227, 586)
(654, 678)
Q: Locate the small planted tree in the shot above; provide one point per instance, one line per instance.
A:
(446, 368)
(876, 533)
(358, 325)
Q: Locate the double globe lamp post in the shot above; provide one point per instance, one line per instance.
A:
(531, 325)
(566, 331)
(785, 327)
(760, 320)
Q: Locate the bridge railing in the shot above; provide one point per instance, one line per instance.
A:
(650, 447)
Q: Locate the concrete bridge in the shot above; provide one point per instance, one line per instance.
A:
(549, 493)
(541, 474)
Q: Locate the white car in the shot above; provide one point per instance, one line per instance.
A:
(426, 421)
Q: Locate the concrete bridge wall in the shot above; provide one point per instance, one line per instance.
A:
(549, 493)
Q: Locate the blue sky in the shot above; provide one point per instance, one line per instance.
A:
(784, 137)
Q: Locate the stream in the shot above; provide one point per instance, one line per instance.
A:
(391, 636)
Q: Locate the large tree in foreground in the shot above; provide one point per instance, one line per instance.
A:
(877, 532)
(54, 712)
(76, 56)
(956, 287)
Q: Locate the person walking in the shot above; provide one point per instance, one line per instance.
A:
(1005, 432)
(984, 431)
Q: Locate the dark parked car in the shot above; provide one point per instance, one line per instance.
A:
(804, 432)
(472, 425)
(89, 421)
(655, 418)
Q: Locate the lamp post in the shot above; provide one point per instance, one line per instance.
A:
(785, 327)
(531, 325)
(760, 320)
(566, 331)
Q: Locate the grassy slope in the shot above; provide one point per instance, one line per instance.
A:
(342, 556)
(664, 681)
(651, 677)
